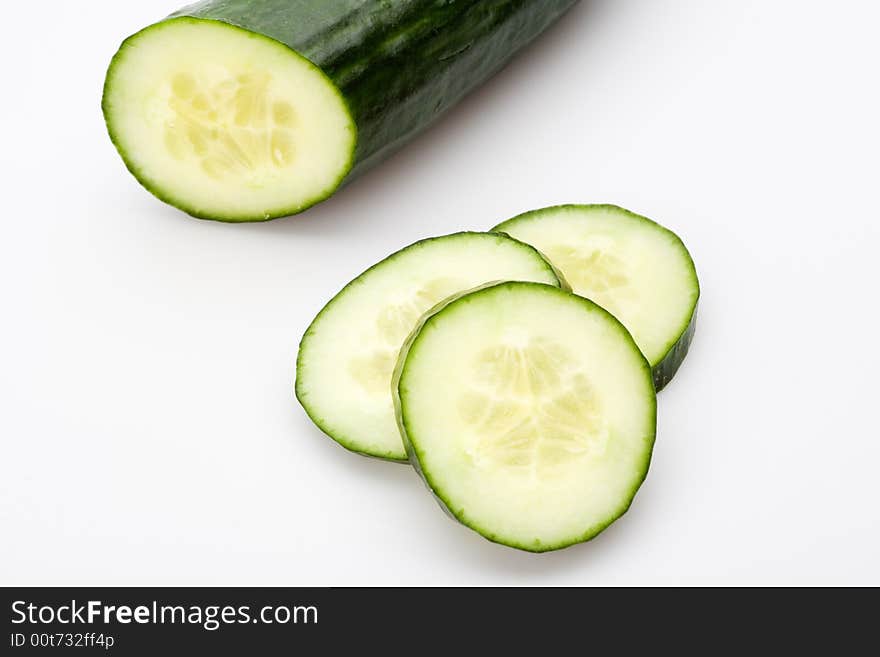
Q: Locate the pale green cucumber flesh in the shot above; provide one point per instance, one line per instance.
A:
(224, 123)
(529, 412)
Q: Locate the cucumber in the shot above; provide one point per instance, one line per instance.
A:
(529, 411)
(249, 110)
(346, 358)
(636, 269)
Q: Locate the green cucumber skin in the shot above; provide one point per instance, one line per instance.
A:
(399, 65)
(666, 369)
(412, 453)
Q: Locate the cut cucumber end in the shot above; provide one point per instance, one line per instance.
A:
(530, 413)
(633, 267)
(347, 357)
(226, 124)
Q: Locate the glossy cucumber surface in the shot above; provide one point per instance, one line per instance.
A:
(249, 110)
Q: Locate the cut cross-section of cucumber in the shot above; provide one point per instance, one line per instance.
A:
(529, 411)
(636, 269)
(347, 356)
(226, 123)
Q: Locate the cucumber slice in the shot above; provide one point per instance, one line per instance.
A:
(530, 413)
(225, 123)
(347, 356)
(636, 269)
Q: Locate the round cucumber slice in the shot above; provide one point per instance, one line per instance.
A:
(347, 356)
(530, 413)
(633, 267)
(225, 123)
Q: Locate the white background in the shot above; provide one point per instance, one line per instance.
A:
(149, 429)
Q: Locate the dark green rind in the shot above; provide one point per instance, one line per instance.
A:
(399, 65)
(344, 441)
(677, 349)
(666, 369)
(156, 188)
(409, 348)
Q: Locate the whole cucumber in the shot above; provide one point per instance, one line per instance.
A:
(393, 66)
